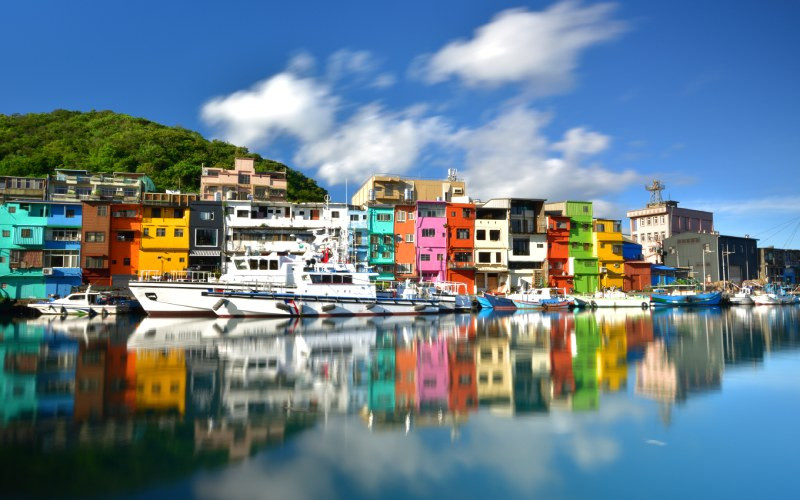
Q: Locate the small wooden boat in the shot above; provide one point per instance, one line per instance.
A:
(684, 296)
(497, 302)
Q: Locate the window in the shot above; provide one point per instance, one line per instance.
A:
(26, 233)
(6, 233)
(521, 246)
(204, 237)
(60, 258)
(383, 217)
(466, 213)
(410, 238)
(484, 257)
(462, 257)
(124, 213)
(401, 216)
(424, 257)
(95, 262)
(405, 269)
(585, 209)
(243, 214)
(12, 210)
(146, 231)
(178, 214)
(95, 237)
(428, 233)
(498, 258)
(124, 236)
(480, 234)
(155, 212)
(64, 235)
(540, 245)
(206, 215)
(462, 234)
(178, 233)
(126, 261)
(494, 235)
(244, 179)
(161, 231)
(439, 257)
(102, 211)
(353, 217)
(600, 227)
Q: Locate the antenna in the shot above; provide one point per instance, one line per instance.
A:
(655, 192)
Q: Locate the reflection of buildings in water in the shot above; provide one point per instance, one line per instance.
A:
(585, 362)
(405, 384)
(382, 373)
(743, 340)
(240, 440)
(161, 381)
(687, 363)
(432, 373)
(493, 370)
(638, 334)
(562, 328)
(463, 395)
(530, 363)
(90, 371)
(778, 326)
(613, 365)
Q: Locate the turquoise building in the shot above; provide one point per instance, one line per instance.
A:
(39, 248)
(381, 241)
(382, 373)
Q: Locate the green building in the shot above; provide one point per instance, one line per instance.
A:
(381, 241)
(585, 362)
(585, 270)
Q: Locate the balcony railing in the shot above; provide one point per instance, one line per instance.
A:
(461, 265)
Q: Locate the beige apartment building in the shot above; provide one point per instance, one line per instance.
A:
(386, 189)
(242, 183)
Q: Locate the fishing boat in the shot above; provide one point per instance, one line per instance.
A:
(541, 298)
(772, 295)
(684, 296)
(744, 297)
(612, 298)
(86, 303)
(497, 302)
(452, 296)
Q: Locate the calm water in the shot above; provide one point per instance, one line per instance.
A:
(628, 404)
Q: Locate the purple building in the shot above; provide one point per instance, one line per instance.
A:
(432, 240)
(433, 374)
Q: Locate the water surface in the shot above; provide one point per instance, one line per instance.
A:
(626, 404)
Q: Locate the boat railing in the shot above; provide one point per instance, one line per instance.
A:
(177, 276)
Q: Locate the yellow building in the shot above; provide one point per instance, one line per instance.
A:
(165, 232)
(613, 354)
(493, 369)
(608, 250)
(161, 380)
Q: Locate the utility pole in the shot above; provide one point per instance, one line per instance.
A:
(725, 256)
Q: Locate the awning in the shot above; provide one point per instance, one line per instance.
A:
(204, 253)
(657, 267)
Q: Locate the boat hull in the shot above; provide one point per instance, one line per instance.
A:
(496, 302)
(78, 310)
(699, 299)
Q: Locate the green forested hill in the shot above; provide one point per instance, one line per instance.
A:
(104, 141)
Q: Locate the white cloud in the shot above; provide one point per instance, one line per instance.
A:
(749, 206)
(539, 49)
(371, 141)
(510, 157)
(282, 104)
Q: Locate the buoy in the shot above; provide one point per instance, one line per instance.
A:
(283, 307)
(645, 305)
(218, 304)
(594, 305)
(328, 307)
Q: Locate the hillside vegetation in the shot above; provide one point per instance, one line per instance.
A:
(104, 141)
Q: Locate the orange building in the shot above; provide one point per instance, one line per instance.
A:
(558, 228)
(405, 248)
(405, 382)
(561, 329)
(463, 394)
(460, 244)
(126, 230)
(120, 380)
(637, 275)
(89, 378)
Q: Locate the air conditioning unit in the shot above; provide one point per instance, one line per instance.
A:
(47, 271)
(603, 269)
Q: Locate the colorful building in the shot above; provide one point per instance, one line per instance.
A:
(164, 246)
(405, 385)
(405, 248)
(126, 234)
(491, 249)
(160, 381)
(558, 269)
(357, 237)
(381, 241)
(583, 263)
(206, 224)
(460, 244)
(463, 382)
(431, 240)
(62, 259)
(393, 190)
(608, 248)
(637, 276)
(96, 243)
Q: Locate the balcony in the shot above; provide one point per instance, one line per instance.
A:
(470, 265)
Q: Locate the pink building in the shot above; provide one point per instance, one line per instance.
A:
(651, 225)
(242, 183)
(433, 375)
(432, 240)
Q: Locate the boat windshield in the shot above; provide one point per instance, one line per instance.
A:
(332, 278)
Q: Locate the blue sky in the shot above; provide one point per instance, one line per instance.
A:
(579, 100)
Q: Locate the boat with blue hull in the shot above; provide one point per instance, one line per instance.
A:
(497, 302)
(686, 298)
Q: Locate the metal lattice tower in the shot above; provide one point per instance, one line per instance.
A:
(655, 192)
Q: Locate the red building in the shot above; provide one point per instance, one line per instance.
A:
(405, 249)
(460, 244)
(126, 231)
(95, 243)
(558, 228)
(637, 275)
(120, 380)
(463, 393)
